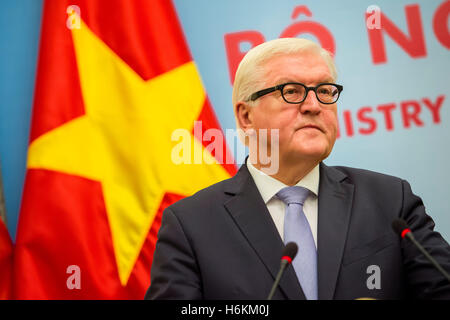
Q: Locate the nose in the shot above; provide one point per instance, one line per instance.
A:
(311, 104)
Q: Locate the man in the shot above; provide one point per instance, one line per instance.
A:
(225, 242)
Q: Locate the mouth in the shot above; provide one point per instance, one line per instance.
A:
(311, 126)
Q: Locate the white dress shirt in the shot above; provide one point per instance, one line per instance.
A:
(268, 187)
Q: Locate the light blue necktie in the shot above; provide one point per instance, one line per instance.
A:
(296, 229)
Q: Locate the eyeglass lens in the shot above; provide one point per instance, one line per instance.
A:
(296, 93)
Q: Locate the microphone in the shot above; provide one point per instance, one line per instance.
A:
(401, 227)
(288, 254)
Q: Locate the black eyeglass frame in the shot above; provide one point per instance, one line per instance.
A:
(280, 87)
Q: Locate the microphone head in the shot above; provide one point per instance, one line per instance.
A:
(399, 226)
(289, 251)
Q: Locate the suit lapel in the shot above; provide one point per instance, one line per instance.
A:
(334, 208)
(253, 219)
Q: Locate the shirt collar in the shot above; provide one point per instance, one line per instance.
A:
(268, 186)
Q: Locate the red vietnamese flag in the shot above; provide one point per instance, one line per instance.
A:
(6, 255)
(115, 80)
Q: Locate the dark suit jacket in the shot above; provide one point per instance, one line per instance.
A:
(221, 243)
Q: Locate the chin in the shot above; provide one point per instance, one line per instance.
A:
(319, 150)
(307, 149)
(307, 155)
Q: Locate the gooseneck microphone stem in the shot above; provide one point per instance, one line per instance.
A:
(401, 228)
(288, 254)
(410, 236)
(284, 264)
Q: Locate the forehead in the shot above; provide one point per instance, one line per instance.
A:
(307, 68)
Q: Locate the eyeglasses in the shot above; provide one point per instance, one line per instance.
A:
(294, 92)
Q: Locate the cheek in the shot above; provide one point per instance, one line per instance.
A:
(273, 119)
(331, 123)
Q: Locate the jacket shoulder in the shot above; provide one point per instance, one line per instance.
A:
(203, 199)
(361, 175)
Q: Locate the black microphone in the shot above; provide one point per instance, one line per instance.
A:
(288, 254)
(401, 227)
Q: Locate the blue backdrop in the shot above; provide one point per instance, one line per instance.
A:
(394, 112)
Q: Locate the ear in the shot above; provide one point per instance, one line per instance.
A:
(244, 117)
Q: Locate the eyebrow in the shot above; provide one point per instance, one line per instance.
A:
(285, 80)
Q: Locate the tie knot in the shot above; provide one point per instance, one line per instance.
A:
(293, 194)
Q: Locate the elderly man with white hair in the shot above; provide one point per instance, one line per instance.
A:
(225, 241)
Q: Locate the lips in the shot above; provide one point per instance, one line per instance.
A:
(311, 126)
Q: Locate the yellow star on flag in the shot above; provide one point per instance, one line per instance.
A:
(124, 141)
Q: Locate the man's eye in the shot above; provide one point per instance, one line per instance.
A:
(325, 91)
(291, 90)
